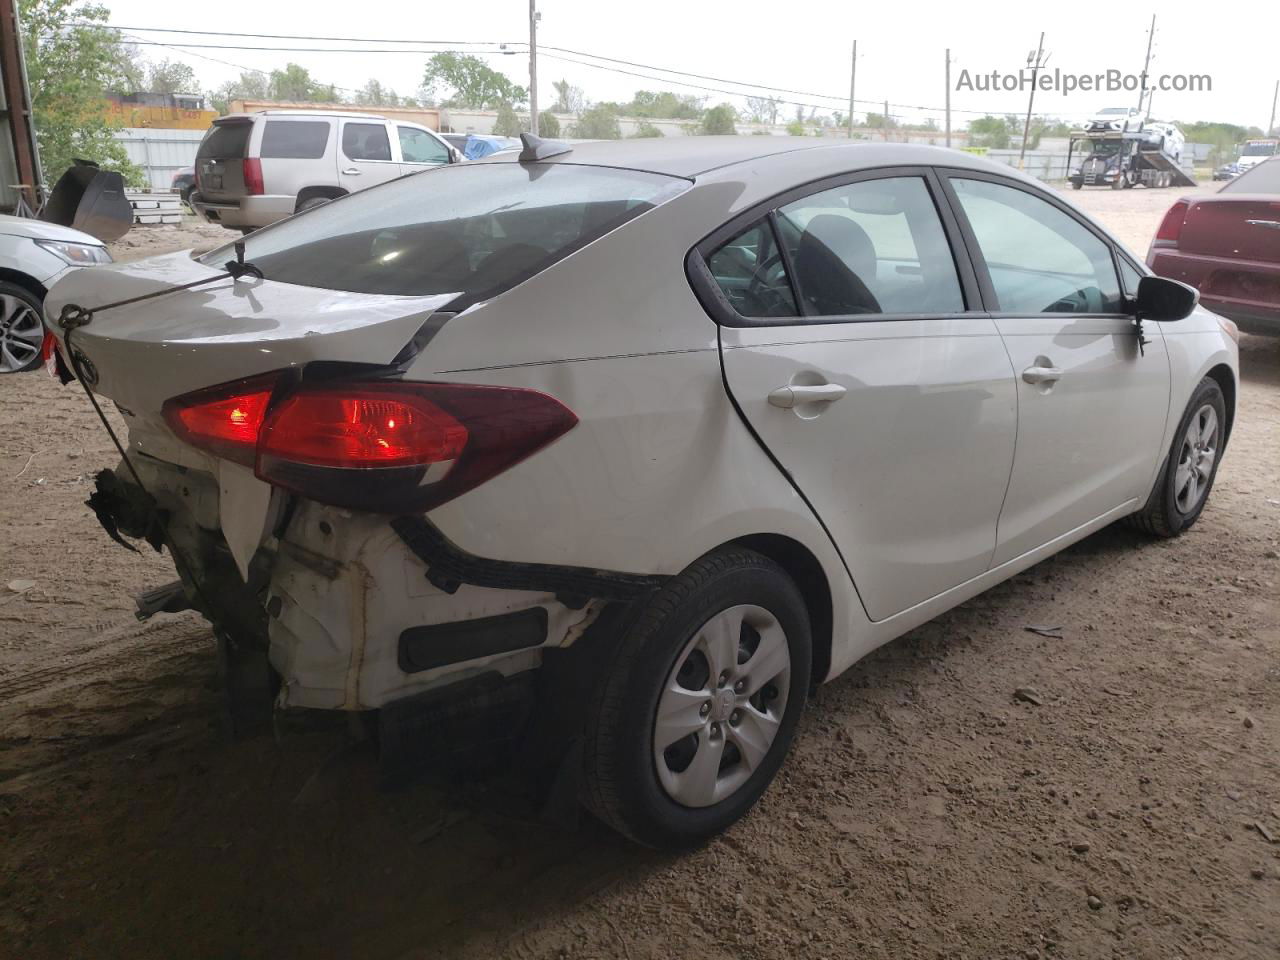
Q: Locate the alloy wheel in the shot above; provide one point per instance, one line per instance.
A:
(1196, 458)
(21, 333)
(721, 706)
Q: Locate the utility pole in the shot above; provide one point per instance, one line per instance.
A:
(948, 96)
(1035, 62)
(886, 121)
(534, 17)
(1272, 125)
(1146, 65)
(853, 81)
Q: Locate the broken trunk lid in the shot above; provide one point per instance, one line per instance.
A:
(143, 354)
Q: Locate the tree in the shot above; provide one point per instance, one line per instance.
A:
(795, 129)
(507, 123)
(719, 120)
(645, 129)
(569, 99)
(989, 131)
(548, 124)
(471, 82)
(664, 106)
(598, 123)
(294, 84)
(763, 109)
(170, 76)
(251, 85)
(374, 94)
(69, 69)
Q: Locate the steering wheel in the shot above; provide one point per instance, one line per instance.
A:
(763, 289)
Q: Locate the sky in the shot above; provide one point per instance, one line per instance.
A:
(800, 45)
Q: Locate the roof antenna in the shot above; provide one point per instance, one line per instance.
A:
(535, 148)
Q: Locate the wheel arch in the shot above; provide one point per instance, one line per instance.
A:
(811, 580)
(328, 191)
(1222, 375)
(24, 280)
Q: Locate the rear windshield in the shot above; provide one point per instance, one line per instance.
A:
(226, 140)
(472, 229)
(295, 139)
(1264, 178)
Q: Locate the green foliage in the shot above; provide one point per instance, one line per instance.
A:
(569, 99)
(170, 76)
(470, 81)
(598, 123)
(795, 129)
(645, 129)
(664, 106)
(1225, 137)
(991, 132)
(374, 94)
(548, 124)
(719, 120)
(250, 86)
(507, 124)
(763, 109)
(294, 84)
(69, 69)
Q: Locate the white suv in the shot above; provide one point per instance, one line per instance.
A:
(255, 169)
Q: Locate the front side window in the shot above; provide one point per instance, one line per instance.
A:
(752, 275)
(470, 229)
(366, 141)
(1040, 259)
(295, 139)
(875, 246)
(418, 146)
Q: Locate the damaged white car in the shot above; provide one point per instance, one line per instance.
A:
(618, 450)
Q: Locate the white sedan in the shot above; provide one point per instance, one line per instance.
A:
(33, 254)
(624, 447)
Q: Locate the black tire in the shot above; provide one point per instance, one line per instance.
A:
(23, 296)
(621, 783)
(1162, 516)
(311, 203)
(1077, 184)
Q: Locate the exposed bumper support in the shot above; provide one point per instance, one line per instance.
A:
(449, 566)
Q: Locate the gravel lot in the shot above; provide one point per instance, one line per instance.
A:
(1134, 813)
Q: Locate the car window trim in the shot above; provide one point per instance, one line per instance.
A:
(723, 312)
(439, 140)
(393, 143)
(987, 289)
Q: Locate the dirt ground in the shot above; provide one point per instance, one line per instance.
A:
(924, 812)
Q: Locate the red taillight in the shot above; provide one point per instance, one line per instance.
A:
(381, 446)
(253, 176)
(1171, 226)
(223, 420)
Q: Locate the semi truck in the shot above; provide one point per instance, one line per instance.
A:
(1149, 156)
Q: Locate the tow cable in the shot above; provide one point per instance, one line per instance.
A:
(72, 318)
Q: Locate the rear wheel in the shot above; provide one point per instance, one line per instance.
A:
(697, 711)
(21, 329)
(311, 203)
(1183, 488)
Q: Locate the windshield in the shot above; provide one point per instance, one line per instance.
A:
(1105, 148)
(1259, 149)
(1113, 111)
(473, 229)
(226, 139)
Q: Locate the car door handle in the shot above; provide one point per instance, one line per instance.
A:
(1272, 224)
(351, 172)
(792, 395)
(1040, 374)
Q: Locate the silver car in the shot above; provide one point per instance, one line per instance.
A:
(255, 169)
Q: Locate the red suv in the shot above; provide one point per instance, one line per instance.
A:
(1228, 247)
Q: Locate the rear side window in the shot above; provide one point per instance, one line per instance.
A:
(751, 273)
(875, 246)
(470, 229)
(295, 139)
(418, 146)
(366, 141)
(226, 140)
(1040, 259)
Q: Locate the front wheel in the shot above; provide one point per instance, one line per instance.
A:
(699, 706)
(1191, 467)
(21, 329)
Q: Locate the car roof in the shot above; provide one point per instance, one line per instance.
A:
(692, 156)
(301, 113)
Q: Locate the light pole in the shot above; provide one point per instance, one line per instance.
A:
(534, 17)
(853, 79)
(1035, 61)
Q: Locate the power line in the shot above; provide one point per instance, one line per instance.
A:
(294, 36)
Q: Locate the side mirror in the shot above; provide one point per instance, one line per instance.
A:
(1162, 299)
